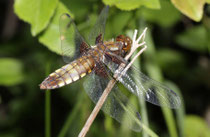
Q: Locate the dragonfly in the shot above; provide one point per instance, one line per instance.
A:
(97, 60)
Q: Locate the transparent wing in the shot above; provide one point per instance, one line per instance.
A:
(116, 105)
(151, 90)
(99, 27)
(145, 87)
(71, 40)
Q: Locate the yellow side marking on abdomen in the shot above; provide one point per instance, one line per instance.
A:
(82, 75)
(67, 78)
(60, 72)
(67, 67)
(74, 74)
(84, 63)
(74, 64)
(53, 74)
(61, 83)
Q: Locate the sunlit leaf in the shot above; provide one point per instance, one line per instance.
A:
(161, 16)
(207, 1)
(36, 12)
(191, 8)
(133, 4)
(196, 127)
(194, 38)
(51, 37)
(11, 71)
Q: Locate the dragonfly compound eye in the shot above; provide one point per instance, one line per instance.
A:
(120, 38)
(127, 44)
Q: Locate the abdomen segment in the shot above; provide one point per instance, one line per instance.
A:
(69, 73)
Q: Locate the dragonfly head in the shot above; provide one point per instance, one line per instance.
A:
(126, 42)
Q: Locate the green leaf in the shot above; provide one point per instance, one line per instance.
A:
(11, 71)
(194, 38)
(80, 10)
(73, 114)
(196, 127)
(166, 57)
(191, 8)
(161, 16)
(51, 37)
(208, 1)
(133, 4)
(119, 21)
(36, 12)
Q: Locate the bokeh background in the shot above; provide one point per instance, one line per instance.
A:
(178, 40)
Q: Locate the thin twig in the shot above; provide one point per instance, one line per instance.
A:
(112, 82)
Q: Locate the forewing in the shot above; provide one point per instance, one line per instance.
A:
(116, 105)
(97, 33)
(151, 90)
(71, 40)
(145, 87)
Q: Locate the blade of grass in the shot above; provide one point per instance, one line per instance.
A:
(47, 114)
(142, 103)
(47, 108)
(72, 114)
(180, 118)
(180, 113)
(170, 122)
(154, 71)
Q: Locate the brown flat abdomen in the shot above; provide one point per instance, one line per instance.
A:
(69, 73)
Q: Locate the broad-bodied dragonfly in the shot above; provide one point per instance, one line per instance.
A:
(97, 60)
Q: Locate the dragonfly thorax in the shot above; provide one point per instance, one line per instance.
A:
(126, 42)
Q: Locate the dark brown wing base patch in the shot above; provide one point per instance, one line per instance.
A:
(83, 47)
(100, 70)
(99, 39)
(114, 59)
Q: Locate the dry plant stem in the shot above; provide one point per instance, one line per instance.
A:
(113, 81)
(97, 108)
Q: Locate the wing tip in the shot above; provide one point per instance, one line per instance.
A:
(177, 102)
(64, 16)
(67, 15)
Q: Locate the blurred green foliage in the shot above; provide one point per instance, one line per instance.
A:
(158, 16)
(193, 37)
(11, 71)
(196, 127)
(178, 49)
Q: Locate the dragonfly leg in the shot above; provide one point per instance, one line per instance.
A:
(136, 43)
